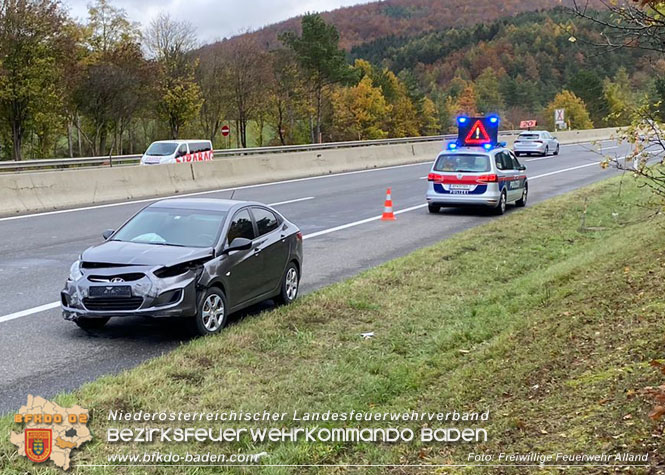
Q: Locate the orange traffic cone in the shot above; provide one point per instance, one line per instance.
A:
(388, 214)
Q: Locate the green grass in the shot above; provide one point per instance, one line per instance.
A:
(548, 326)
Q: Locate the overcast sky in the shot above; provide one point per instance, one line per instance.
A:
(216, 19)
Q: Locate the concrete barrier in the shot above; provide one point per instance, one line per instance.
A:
(47, 191)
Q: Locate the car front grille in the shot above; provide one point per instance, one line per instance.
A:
(133, 277)
(114, 303)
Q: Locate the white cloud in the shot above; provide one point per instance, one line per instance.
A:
(216, 19)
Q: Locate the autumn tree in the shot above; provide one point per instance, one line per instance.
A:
(210, 72)
(576, 113)
(466, 103)
(360, 111)
(429, 118)
(170, 42)
(34, 44)
(248, 73)
(287, 95)
(114, 80)
(320, 57)
(488, 93)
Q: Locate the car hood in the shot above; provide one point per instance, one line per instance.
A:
(133, 254)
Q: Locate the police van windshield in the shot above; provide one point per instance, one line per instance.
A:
(463, 163)
(161, 149)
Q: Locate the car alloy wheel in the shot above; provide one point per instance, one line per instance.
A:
(213, 313)
(211, 316)
(290, 285)
(522, 201)
(501, 208)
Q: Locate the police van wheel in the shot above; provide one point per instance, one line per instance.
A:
(91, 323)
(501, 207)
(521, 203)
(433, 208)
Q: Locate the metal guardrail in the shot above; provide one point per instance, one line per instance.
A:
(123, 160)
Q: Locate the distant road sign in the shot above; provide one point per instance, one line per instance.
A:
(528, 124)
(226, 131)
(560, 116)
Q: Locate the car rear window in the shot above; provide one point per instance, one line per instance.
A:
(529, 136)
(461, 163)
(161, 149)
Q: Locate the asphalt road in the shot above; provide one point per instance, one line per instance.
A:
(43, 355)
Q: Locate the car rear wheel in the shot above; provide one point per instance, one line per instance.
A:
(290, 285)
(547, 151)
(91, 323)
(433, 208)
(522, 201)
(501, 207)
(211, 316)
(556, 152)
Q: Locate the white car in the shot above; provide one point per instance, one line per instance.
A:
(539, 142)
(178, 151)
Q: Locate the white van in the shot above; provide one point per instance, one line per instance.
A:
(178, 151)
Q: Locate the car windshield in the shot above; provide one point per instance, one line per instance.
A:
(463, 163)
(529, 136)
(161, 149)
(173, 227)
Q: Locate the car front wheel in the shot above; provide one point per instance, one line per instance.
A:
(290, 285)
(211, 316)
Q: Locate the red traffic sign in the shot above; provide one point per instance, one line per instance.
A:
(527, 124)
(477, 135)
(226, 131)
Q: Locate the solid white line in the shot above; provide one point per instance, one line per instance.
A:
(541, 158)
(30, 311)
(199, 193)
(564, 171)
(281, 203)
(358, 223)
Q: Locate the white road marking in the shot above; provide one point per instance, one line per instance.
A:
(200, 193)
(564, 171)
(52, 305)
(358, 223)
(541, 158)
(281, 203)
(30, 311)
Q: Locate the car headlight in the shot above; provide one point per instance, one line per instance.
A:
(75, 271)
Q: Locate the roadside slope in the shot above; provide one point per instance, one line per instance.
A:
(549, 326)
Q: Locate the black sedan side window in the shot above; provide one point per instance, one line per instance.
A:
(241, 227)
(266, 221)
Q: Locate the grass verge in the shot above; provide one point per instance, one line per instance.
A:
(548, 326)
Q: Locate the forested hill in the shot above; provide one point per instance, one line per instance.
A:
(362, 23)
(518, 64)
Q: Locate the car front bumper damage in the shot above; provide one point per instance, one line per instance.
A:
(150, 296)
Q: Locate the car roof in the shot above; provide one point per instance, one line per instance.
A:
(472, 151)
(181, 141)
(203, 204)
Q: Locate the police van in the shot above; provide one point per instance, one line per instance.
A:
(477, 170)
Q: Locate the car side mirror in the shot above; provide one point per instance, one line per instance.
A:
(239, 244)
(107, 234)
(181, 153)
(522, 168)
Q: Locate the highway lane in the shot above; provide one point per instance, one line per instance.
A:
(42, 354)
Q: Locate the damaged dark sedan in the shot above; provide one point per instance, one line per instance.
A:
(197, 258)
